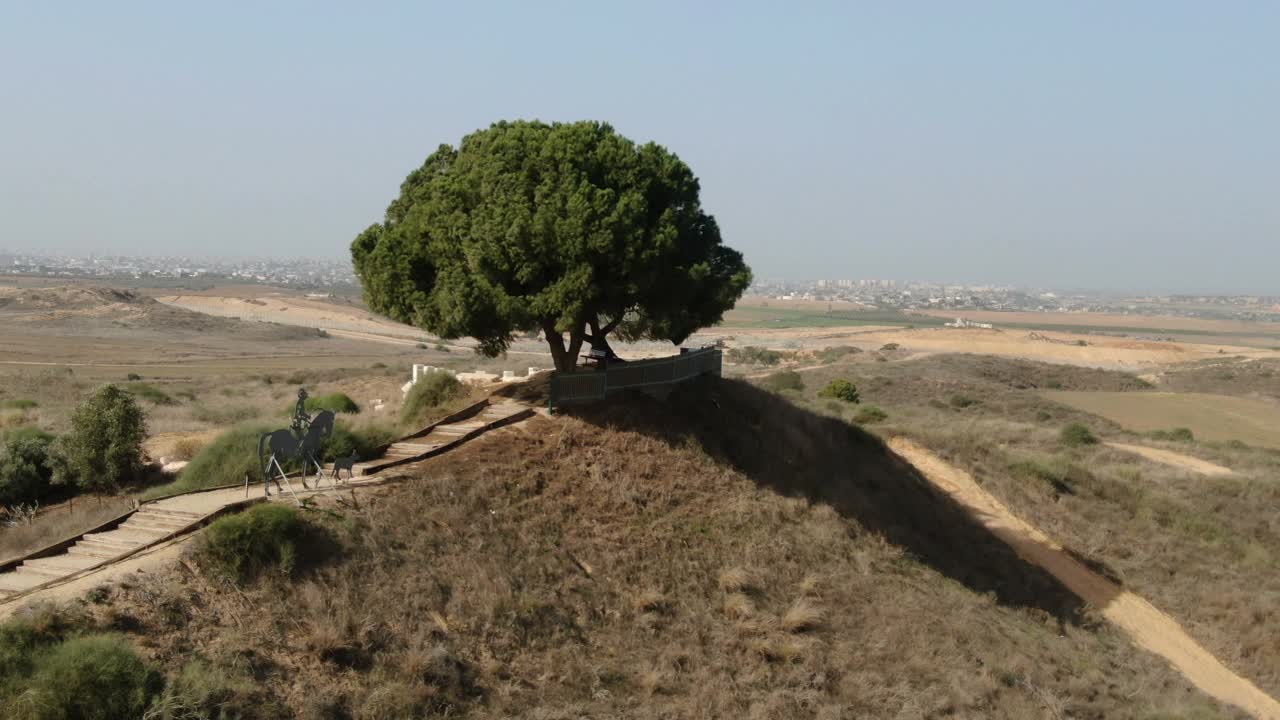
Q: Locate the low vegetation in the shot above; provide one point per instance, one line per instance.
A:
(242, 546)
(835, 354)
(224, 461)
(869, 415)
(840, 389)
(60, 663)
(150, 393)
(334, 402)
(427, 396)
(751, 355)
(1077, 434)
(783, 381)
(721, 576)
(1175, 435)
(18, 404)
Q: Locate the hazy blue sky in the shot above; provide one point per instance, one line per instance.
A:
(1086, 144)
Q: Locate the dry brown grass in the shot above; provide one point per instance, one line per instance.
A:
(59, 522)
(462, 592)
(802, 616)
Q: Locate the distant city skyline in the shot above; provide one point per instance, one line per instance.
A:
(1088, 144)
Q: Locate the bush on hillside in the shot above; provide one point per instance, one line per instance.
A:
(786, 380)
(962, 401)
(430, 392)
(840, 389)
(751, 355)
(204, 692)
(1176, 435)
(334, 402)
(150, 393)
(835, 354)
(241, 547)
(104, 448)
(1077, 435)
(25, 468)
(96, 677)
(889, 347)
(364, 441)
(225, 461)
(869, 415)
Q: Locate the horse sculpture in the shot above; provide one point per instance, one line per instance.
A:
(284, 446)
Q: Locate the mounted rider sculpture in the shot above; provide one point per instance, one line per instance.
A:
(302, 441)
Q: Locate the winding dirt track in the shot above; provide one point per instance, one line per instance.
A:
(1147, 626)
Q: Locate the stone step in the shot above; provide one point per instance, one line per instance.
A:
(175, 515)
(44, 573)
(166, 507)
(108, 541)
(133, 538)
(64, 564)
(160, 520)
(134, 524)
(12, 582)
(96, 551)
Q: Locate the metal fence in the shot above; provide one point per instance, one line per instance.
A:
(567, 389)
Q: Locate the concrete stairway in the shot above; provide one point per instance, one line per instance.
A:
(145, 527)
(442, 437)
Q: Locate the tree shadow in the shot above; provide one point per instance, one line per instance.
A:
(799, 453)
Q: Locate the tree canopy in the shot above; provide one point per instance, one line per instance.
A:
(567, 228)
(104, 447)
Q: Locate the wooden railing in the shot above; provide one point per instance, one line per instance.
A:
(587, 386)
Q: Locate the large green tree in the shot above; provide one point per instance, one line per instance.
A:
(104, 447)
(568, 228)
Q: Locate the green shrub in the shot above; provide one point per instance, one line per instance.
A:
(869, 415)
(961, 401)
(151, 394)
(889, 347)
(26, 470)
(225, 461)
(18, 404)
(241, 547)
(786, 380)
(1044, 415)
(132, 377)
(104, 447)
(1076, 435)
(840, 389)
(364, 441)
(1177, 435)
(204, 692)
(751, 355)
(88, 678)
(835, 354)
(25, 636)
(334, 402)
(430, 392)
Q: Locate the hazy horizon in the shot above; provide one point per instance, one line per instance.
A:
(1082, 146)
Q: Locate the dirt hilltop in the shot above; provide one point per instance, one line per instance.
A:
(726, 554)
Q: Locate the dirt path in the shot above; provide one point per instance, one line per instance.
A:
(1178, 460)
(1147, 626)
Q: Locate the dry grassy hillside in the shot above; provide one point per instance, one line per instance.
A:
(722, 555)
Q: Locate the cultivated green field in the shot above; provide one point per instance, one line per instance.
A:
(1220, 418)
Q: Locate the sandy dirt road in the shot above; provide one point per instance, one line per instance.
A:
(1146, 625)
(1173, 459)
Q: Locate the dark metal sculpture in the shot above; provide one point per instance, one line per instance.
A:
(286, 445)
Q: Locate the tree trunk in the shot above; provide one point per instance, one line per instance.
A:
(566, 359)
(599, 338)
